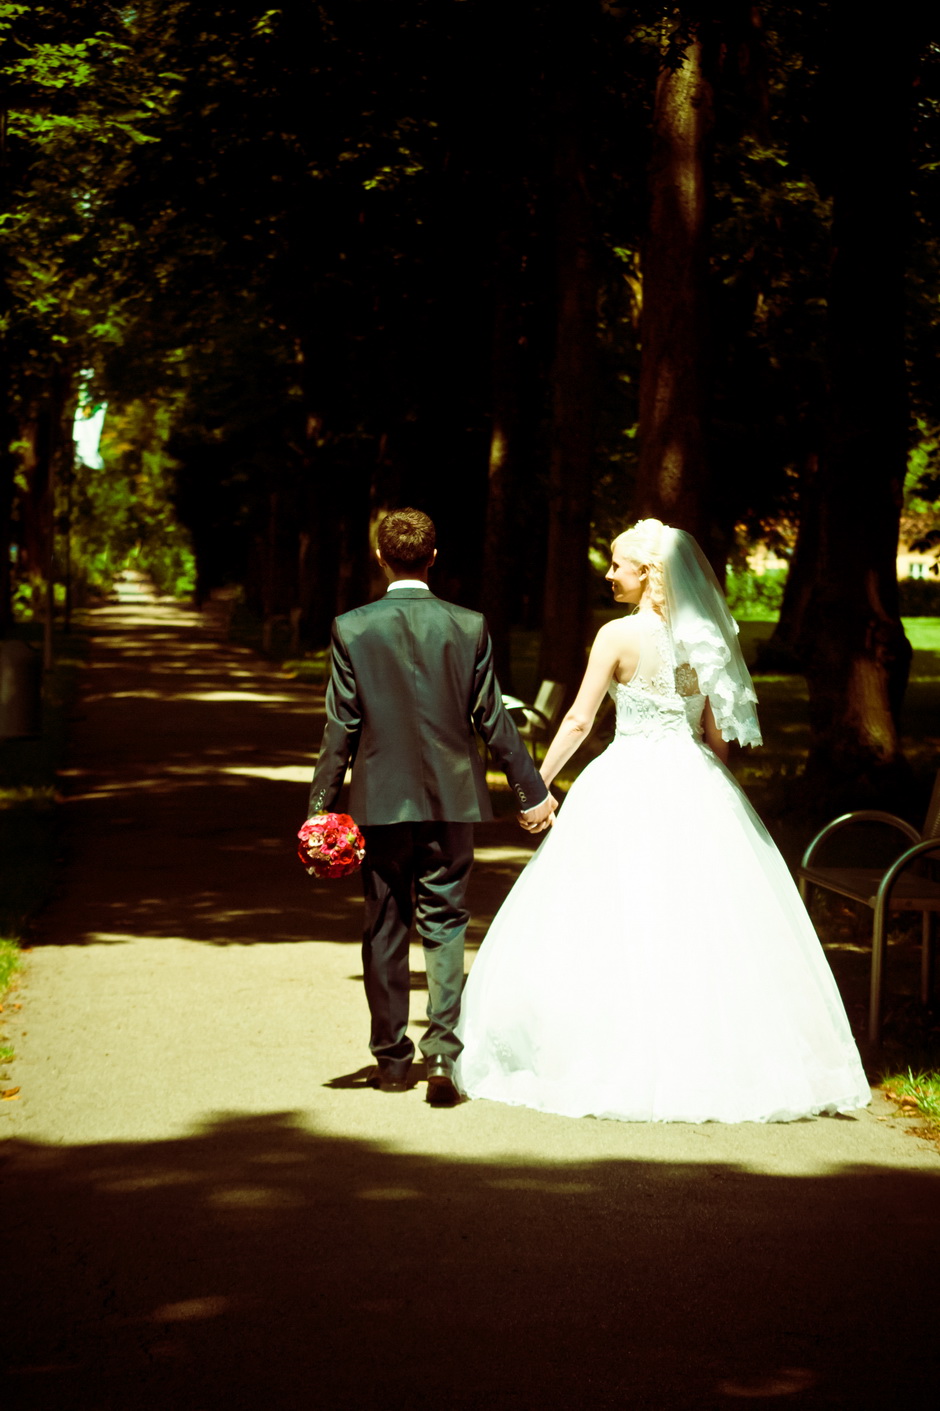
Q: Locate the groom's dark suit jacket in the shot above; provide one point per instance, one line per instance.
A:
(412, 680)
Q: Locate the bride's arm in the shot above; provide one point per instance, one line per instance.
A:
(612, 647)
(713, 737)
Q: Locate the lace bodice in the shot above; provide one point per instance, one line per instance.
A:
(661, 698)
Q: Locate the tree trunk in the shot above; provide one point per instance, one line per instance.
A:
(42, 466)
(7, 484)
(855, 654)
(781, 651)
(574, 392)
(505, 454)
(8, 420)
(319, 565)
(355, 561)
(673, 478)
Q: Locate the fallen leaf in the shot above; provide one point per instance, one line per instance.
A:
(8, 1094)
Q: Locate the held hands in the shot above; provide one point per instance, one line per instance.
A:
(536, 820)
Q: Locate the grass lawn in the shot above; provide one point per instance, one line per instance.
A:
(916, 1092)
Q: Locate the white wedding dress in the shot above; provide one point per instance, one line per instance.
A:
(654, 961)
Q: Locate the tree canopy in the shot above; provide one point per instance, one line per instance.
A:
(538, 268)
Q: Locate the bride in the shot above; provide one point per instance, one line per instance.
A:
(654, 962)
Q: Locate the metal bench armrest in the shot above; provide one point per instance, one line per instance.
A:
(886, 887)
(879, 938)
(862, 815)
(532, 713)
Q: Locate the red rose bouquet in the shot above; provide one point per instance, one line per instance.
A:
(330, 845)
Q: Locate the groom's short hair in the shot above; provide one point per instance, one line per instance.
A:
(406, 540)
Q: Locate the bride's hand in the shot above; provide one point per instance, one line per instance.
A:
(536, 820)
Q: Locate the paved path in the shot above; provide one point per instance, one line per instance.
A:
(205, 1208)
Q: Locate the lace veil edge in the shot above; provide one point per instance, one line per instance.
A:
(706, 636)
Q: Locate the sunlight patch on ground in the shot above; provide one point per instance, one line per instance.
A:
(504, 854)
(783, 1382)
(268, 698)
(148, 1182)
(139, 695)
(279, 773)
(391, 1193)
(219, 938)
(210, 1306)
(128, 938)
(535, 1183)
(155, 784)
(255, 1197)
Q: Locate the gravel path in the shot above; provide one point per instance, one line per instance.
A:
(205, 1208)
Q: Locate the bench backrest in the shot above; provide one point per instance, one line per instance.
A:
(549, 702)
(932, 821)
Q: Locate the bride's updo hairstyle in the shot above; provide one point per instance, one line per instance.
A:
(642, 545)
(683, 589)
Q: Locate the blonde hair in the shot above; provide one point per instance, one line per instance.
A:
(641, 545)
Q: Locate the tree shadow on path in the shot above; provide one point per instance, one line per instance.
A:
(191, 761)
(259, 1263)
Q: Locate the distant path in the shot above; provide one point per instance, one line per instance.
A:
(204, 1208)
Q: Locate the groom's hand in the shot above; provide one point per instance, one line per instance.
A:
(536, 820)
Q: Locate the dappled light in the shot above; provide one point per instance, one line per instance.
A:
(215, 1209)
(183, 800)
(269, 273)
(280, 773)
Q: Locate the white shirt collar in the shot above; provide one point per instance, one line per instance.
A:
(407, 583)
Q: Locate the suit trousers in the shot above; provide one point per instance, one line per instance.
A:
(414, 872)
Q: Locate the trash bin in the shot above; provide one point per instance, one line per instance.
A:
(20, 690)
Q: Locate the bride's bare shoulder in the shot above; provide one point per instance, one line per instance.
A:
(618, 645)
(610, 634)
(629, 630)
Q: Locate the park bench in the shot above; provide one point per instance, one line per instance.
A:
(537, 721)
(907, 884)
(273, 620)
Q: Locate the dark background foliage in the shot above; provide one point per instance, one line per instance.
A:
(323, 259)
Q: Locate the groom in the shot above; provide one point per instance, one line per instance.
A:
(412, 680)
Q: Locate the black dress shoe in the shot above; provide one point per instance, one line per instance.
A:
(389, 1082)
(442, 1091)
